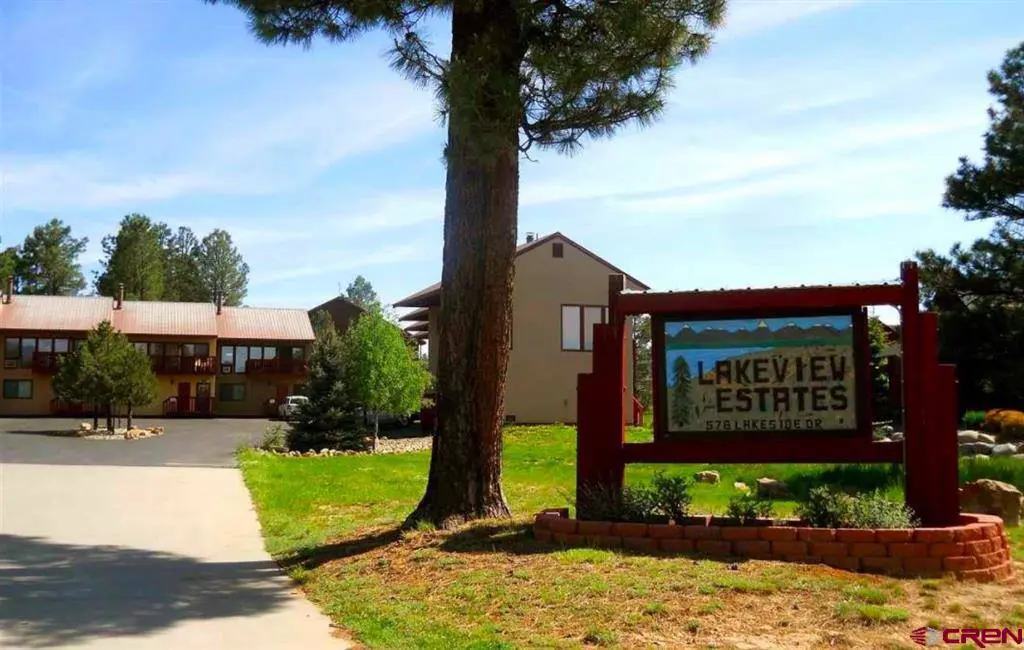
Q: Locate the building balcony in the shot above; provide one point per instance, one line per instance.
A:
(188, 407)
(178, 365)
(279, 366)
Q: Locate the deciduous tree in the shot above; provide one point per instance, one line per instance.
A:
(520, 74)
(382, 371)
(48, 264)
(134, 257)
(222, 269)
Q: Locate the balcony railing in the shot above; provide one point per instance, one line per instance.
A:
(174, 364)
(46, 362)
(279, 365)
(188, 406)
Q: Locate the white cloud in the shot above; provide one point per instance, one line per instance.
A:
(745, 18)
(342, 260)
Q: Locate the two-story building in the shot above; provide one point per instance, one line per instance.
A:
(560, 292)
(209, 360)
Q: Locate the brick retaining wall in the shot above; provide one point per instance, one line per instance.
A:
(977, 549)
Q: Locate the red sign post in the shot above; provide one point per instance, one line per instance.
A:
(928, 451)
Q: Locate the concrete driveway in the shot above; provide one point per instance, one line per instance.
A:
(149, 544)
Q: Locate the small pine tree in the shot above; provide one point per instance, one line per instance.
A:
(106, 370)
(327, 420)
(682, 400)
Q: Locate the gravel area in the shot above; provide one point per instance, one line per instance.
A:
(402, 445)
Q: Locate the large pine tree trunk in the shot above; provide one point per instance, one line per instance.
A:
(481, 204)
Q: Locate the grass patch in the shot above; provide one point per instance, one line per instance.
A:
(333, 522)
(871, 614)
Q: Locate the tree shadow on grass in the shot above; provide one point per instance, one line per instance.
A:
(855, 478)
(311, 558)
(52, 594)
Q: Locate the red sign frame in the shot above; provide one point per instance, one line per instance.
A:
(928, 451)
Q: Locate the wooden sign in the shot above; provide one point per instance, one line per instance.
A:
(759, 374)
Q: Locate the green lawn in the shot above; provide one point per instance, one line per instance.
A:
(333, 521)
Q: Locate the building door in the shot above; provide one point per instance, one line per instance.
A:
(184, 397)
(282, 392)
(203, 401)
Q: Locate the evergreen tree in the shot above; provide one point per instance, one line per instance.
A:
(327, 420)
(134, 257)
(135, 383)
(48, 264)
(361, 292)
(382, 371)
(979, 290)
(682, 397)
(221, 269)
(8, 265)
(642, 381)
(106, 371)
(995, 188)
(520, 74)
(181, 267)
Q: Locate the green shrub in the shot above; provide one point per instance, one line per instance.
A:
(274, 439)
(637, 504)
(350, 436)
(672, 494)
(973, 420)
(750, 506)
(826, 507)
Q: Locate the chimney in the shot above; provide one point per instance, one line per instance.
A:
(218, 298)
(119, 301)
(9, 294)
(530, 236)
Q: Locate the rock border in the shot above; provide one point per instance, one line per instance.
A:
(977, 549)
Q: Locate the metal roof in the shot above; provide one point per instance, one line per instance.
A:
(55, 313)
(142, 318)
(167, 318)
(264, 324)
(431, 296)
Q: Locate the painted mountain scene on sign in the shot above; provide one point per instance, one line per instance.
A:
(760, 374)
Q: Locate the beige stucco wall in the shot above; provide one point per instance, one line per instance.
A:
(542, 378)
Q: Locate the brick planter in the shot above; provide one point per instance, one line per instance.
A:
(977, 549)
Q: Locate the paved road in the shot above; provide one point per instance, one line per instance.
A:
(187, 443)
(143, 545)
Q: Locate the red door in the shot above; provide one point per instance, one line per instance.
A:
(282, 392)
(184, 397)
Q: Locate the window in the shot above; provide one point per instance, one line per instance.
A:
(142, 347)
(17, 389)
(28, 348)
(241, 356)
(46, 345)
(61, 346)
(557, 249)
(256, 353)
(12, 348)
(578, 325)
(227, 355)
(269, 353)
(232, 392)
(297, 353)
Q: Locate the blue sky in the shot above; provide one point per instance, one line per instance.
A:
(809, 147)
